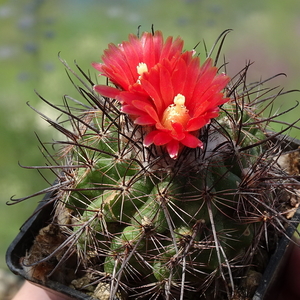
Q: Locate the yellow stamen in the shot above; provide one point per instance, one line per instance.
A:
(141, 68)
(176, 113)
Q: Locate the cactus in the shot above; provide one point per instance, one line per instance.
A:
(169, 185)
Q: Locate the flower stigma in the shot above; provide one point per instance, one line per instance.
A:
(141, 68)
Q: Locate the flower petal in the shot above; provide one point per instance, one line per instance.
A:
(149, 138)
(166, 87)
(106, 91)
(162, 138)
(191, 141)
(97, 66)
(131, 110)
(178, 132)
(144, 120)
(173, 148)
(196, 123)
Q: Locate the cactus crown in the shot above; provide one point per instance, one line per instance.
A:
(169, 184)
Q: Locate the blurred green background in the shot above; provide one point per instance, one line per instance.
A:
(33, 32)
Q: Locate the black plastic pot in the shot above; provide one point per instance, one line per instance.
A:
(24, 241)
(269, 284)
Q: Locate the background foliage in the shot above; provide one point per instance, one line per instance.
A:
(33, 32)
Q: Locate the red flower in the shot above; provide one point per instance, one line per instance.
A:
(123, 64)
(171, 95)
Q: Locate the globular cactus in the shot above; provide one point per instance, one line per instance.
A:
(169, 185)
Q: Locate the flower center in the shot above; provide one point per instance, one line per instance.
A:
(176, 113)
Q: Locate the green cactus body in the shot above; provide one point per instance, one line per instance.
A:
(151, 214)
(121, 247)
(164, 225)
(104, 174)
